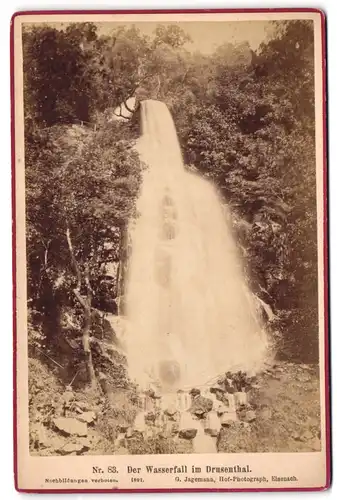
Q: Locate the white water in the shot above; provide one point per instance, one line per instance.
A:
(190, 315)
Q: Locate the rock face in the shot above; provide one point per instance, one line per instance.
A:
(70, 426)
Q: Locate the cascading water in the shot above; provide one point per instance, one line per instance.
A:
(190, 315)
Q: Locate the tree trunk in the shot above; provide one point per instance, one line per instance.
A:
(87, 347)
(122, 269)
(86, 305)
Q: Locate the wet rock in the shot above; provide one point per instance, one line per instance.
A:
(200, 413)
(153, 393)
(188, 426)
(70, 426)
(188, 433)
(195, 392)
(201, 405)
(89, 417)
(217, 388)
(171, 411)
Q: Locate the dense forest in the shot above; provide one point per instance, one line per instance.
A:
(245, 120)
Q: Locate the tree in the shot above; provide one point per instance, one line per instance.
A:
(76, 213)
(57, 74)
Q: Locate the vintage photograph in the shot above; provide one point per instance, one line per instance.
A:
(171, 237)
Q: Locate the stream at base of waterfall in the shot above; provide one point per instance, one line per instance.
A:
(190, 313)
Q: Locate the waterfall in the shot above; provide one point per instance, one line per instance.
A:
(190, 315)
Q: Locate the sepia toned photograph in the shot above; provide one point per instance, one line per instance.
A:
(171, 228)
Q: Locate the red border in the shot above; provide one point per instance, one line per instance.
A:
(325, 245)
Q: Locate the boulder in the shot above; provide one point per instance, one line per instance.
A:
(218, 392)
(195, 392)
(188, 427)
(188, 433)
(86, 443)
(200, 413)
(153, 393)
(201, 405)
(227, 419)
(70, 426)
(70, 448)
(88, 416)
(171, 411)
(250, 416)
